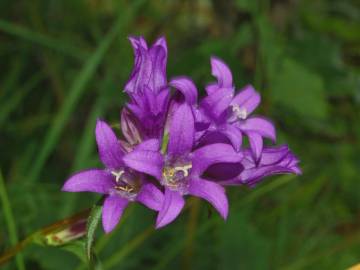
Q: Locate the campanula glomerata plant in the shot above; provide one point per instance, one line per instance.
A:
(175, 145)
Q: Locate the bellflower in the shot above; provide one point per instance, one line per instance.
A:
(179, 170)
(274, 160)
(229, 113)
(202, 148)
(119, 183)
(147, 86)
(150, 66)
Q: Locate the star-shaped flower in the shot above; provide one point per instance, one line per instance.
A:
(179, 169)
(229, 114)
(119, 183)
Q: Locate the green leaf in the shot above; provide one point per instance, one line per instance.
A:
(92, 224)
(299, 89)
(77, 248)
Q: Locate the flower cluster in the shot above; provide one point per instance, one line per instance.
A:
(174, 145)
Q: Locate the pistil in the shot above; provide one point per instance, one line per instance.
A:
(175, 176)
(117, 175)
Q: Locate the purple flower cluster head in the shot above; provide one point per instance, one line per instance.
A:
(174, 145)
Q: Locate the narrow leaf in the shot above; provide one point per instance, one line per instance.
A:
(9, 218)
(93, 222)
(77, 248)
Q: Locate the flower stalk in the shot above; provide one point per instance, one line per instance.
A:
(57, 234)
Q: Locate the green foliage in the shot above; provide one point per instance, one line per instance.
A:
(64, 64)
(307, 97)
(9, 217)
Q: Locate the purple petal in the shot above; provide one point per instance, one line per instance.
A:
(221, 72)
(142, 66)
(252, 177)
(162, 99)
(208, 155)
(149, 145)
(233, 134)
(274, 160)
(150, 100)
(129, 127)
(256, 143)
(181, 137)
(211, 88)
(98, 181)
(213, 193)
(186, 87)
(151, 197)
(274, 155)
(211, 137)
(150, 66)
(150, 162)
(247, 98)
(216, 103)
(171, 208)
(112, 211)
(110, 149)
(259, 125)
(138, 42)
(137, 110)
(223, 171)
(158, 58)
(161, 41)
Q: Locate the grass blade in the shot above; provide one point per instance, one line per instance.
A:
(118, 256)
(14, 101)
(35, 37)
(10, 222)
(85, 147)
(76, 91)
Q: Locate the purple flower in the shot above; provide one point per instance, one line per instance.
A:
(147, 87)
(202, 149)
(274, 160)
(119, 183)
(150, 66)
(179, 170)
(229, 115)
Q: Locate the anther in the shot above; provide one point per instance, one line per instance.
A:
(126, 188)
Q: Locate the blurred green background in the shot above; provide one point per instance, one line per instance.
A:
(64, 64)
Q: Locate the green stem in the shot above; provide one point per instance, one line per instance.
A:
(10, 222)
(45, 235)
(117, 257)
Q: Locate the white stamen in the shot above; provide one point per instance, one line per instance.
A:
(239, 112)
(117, 175)
(185, 169)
